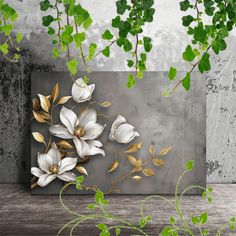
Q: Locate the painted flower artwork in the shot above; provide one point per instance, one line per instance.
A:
(76, 138)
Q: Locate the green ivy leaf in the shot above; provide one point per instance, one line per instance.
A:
(51, 30)
(79, 38)
(121, 6)
(189, 165)
(195, 220)
(55, 52)
(92, 51)
(107, 35)
(187, 20)
(7, 29)
(47, 20)
(200, 33)
(19, 37)
(87, 23)
(147, 42)
(118, 231)
(188, 54)
(44, 5)
(102, 227)
(142, 223)
(147, 4)
(184, 5)
(203, 218)
(186, 81)
(99, 197)
(4, 48)
(131, 81)
(172, 73)
(106, 51)
(72, 66)
(172, 220)
(80, 179)
(130, 63)
(66, 38)
(91, 207)
(127, 45)
(204, 64)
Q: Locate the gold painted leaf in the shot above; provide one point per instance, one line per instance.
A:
(148, 172)
(44, 115)
(38, 137)
(55, 92)
(152, 150)
(132, 160)
(38, 117)
(158, 162)
(165, 150)
(134, 148)
(44, 102)
(81, 169)
(63, 100)
(113, 166)
(35, 104)
(137, 178)
(64, 144)
(137, 169)
(105, 104)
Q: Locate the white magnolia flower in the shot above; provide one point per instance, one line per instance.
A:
(52, 166)
(81, 92)
(83, 130)
(121, 131)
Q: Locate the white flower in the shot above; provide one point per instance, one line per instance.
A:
(121, 131)
(51, 166)
(83, 130)
(81, 92)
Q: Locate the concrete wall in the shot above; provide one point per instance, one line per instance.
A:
(169, 39)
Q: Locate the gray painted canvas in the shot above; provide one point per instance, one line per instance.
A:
(178, 121)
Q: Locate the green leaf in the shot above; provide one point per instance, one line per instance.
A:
(130, 63)
(92, 51)
(91, 207)
(189, 165)
(118, 231)
(187, 20)
(142, 223)
(187, 81)
(79, 38)
(121, 6)
(102, 227)
(107, 35)
(72, 66)
(44, 5)
(148, 14)
(200, 33)
(78, 186)
(106, 51)
(80, 179)
(87, 23)
(195, 220)
(66, 38)
(51, 30)
(147, 42)
(172, 220)
(7, 29)
(188, 54)
(127, 45)
(9, 12)
(184, 5)
(4, 48)
(204, 64)
(203, 218)
(99, 197)
(55, 52)
(205, 232)
(172, 73)
(147, 4)
(47, 20)
(19, 37)
(148, 218)
(143, 57)
(131, 81)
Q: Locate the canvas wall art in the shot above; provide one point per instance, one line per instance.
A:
(122, 141)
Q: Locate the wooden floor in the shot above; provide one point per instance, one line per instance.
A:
(26, 215)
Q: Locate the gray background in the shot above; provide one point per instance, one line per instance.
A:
(178, 121)
(169, 42)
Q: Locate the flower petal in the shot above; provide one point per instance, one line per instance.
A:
(45, 179)
(95, 143)
(77, 90)
(55, 154)
(124, 133)
(94, 150)
(66, 164)
(117, 122)
(45, 162)
(60, 131)
(68, 118)
(67, 176)
(87, 93)
(36, 171)
(92, 130)
(86, 116)
(82, 147)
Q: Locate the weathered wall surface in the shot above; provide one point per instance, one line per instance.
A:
(169, 40)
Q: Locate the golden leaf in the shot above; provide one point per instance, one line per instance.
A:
(35, 104)
(55, 92)
(44, 102)
(81, 169)
(105, 104)
(84, 160)
(132, 160)
(64, 144)
(64, 100)
(148, 172)
(137, 178)
(38, 137)
(44, 115)
(158, 162)
(38, 117)
(48, 97)
(134, 148)
(113, 166)
(165, 150)
(137, 169)
(152, 150)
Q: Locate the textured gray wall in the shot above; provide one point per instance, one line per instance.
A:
(169, 41)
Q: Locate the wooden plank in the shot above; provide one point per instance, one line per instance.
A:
(24, 214)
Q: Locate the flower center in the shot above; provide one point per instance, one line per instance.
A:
(79, 132)
(54, 169)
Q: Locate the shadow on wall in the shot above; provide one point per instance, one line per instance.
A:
(15, 117)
